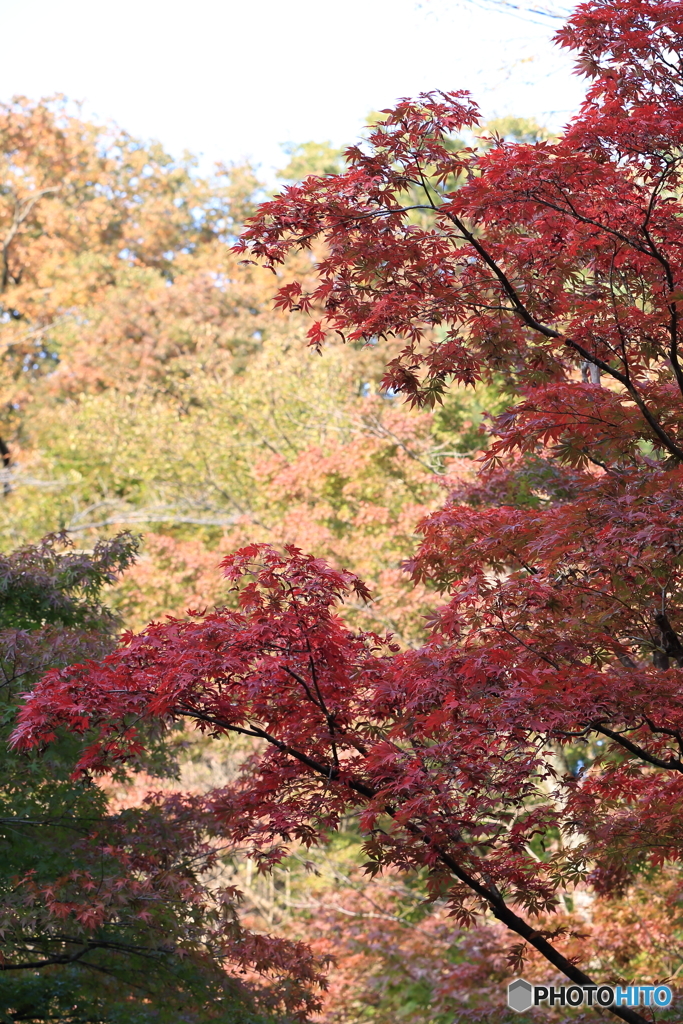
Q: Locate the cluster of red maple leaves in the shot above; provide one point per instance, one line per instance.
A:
(535, 739)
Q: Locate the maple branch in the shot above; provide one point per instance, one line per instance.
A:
(673, 764)
(329, 718)
(651, 249)
(70, 958)
(583, 219)
(61, 822)
(668, 272)
(672, 645)
(36, 964)
(330, 772)
(303, 240)
(662, 730)
(520, 308)
(528, 647)
(302, 681)
(549, 332)
(615, 314)
(490, 895)
(320, 703)
(502, 912)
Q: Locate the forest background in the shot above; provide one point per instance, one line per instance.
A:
(149, 386)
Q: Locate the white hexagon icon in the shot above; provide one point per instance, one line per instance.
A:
(520, 995)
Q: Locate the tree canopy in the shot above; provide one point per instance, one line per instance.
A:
(526, 755)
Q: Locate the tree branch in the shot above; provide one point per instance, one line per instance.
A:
(491, 898)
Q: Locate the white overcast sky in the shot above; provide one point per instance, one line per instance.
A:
(229, 79)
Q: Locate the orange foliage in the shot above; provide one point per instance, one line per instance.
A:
(355, 503)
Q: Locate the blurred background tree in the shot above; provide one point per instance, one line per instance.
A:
(149, 383)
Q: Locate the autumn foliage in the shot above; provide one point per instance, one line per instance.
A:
(103, 908)
(530, 750)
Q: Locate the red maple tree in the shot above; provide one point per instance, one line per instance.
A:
(535, 740)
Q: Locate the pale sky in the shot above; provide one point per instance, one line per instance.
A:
(228, 80)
